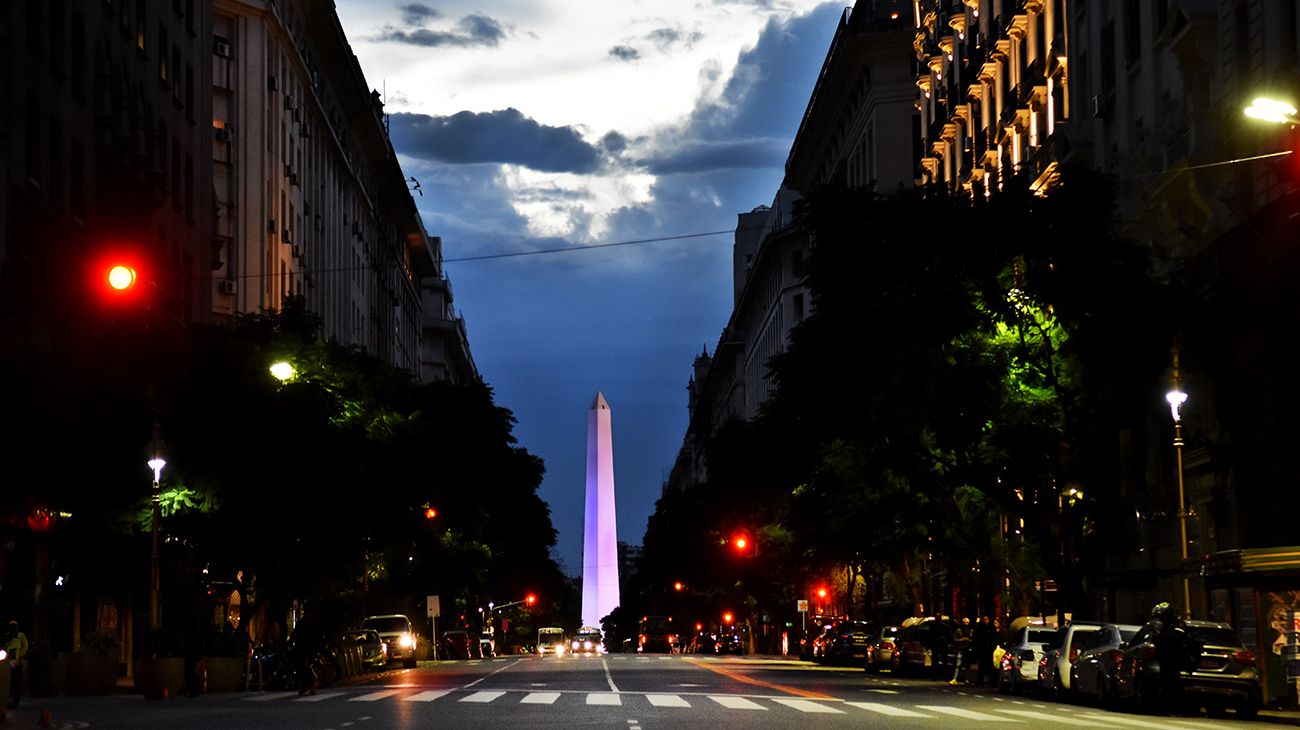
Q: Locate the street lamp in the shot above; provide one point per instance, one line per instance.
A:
(1272, 110)
(1176, 399)
(283, 371)
(156, 462)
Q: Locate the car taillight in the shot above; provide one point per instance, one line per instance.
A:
(1042, 662)
(1244, 657)
(887, 645)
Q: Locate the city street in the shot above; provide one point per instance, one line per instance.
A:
(617, 691)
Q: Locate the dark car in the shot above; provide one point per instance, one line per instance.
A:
(457, 644)
(374, 654)
(729, 643)
(882, 651)
(1219, 670)
(847, 641)
(926, 648)
(1090, 673)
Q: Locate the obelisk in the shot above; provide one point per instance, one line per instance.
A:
(600, 538)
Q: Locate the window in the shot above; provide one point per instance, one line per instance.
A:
(1108, 59)
(58, 24)
(77, 48)
(1132, 31)
(55, 188)
(1241, 47)
(162, 53)
(1287, 28)
(77, 181)
(797, 306)
(32, 145)
(189, 186)
(176, 76)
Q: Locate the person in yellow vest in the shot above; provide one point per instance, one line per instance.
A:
(15, 645)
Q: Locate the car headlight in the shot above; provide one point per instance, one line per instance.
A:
(3, 655)
(575, 643)
(406, 641)
(559, 649)
(586, 645)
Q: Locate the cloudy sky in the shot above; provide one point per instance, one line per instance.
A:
(542, 124)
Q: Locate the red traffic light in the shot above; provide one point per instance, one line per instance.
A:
(430, 513)
(678, 585)
(121, 277)
(530, 599)
(740, 541)
(726, 617)
(821, 592)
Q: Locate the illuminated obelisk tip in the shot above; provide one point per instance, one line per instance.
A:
(600, 538)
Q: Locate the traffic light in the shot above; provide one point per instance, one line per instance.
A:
(821, 592)
(430, 513)
(678, 586)
(119, 279)
(530, 599)
(726, 617)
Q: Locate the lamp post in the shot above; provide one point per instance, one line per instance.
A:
(1272, 110)
(1176, 399)
(156, 462)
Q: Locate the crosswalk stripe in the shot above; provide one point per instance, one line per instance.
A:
(736, 703)
(808, 706)
(484, 696)
(540, 698)
(1136, 722)
(426, 696)
(1032, 715)
(318, 697)
(667, 701)
(884, 709)
(604, 698)
(268, 696)
(371, 697)
(964, 714)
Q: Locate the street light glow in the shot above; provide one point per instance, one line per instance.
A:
(1176, 399)
(157, 463)
(1272, 110)
(283, 371)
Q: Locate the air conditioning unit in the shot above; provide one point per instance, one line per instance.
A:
(270, 225)
(227, 286)
(222, 134)
(1097, 105)
(221, 47)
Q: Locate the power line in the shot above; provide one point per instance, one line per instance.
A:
(565, 249)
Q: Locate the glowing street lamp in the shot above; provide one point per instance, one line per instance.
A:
(156, 463)
(1272, 110)
(1176, 398)
(283, 370)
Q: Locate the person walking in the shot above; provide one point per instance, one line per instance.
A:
(16, 646)
(961, 639)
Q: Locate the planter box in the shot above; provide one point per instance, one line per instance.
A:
(224, 673)
(88, 674)
(160, 677)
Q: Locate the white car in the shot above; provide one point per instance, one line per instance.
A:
(1070, 642)
(398, 634)
(1020, 664)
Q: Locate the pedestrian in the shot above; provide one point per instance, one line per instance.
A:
(304, 645)
(16, 646)
(961, 639)
(1169, 634)
(984, 641)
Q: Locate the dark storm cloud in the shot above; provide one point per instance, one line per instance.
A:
(471, 30)
(504, 136)
(613, 142)
(721, 155)
(418, 13)
(625, 53)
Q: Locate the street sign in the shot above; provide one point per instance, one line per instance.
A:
(803, 606)
(434, 607)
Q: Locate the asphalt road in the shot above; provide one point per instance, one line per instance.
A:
(617, 691)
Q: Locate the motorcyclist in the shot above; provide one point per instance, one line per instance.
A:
(15, 646)
(1169, 634)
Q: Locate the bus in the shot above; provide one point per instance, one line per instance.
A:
(550, 640)
(655, 633)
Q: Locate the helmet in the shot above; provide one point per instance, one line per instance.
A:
(1162, 610)
(965, 621)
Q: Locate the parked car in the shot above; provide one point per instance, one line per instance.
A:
(374, 653)
(926, 648)
(398, 635)
(881, 650)
(587, 641)
(1019, 669)
(1221, 672)
(729, 643)
(456, 644)
(1070, 641)
(1090, 674)
(847, 642)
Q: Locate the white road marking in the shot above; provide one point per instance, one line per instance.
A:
(736, 703)
(608, 678)
(884, 709)
(427, 695)
(809, 706)
(1136, 722)
(667, 701)
(1046, 717)
(268, 696)
(371, 697)
(318, 697)
(540, 698)
(964, 714)
(489, 674)
(484, 696)
(885, 691)
(604, 698)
